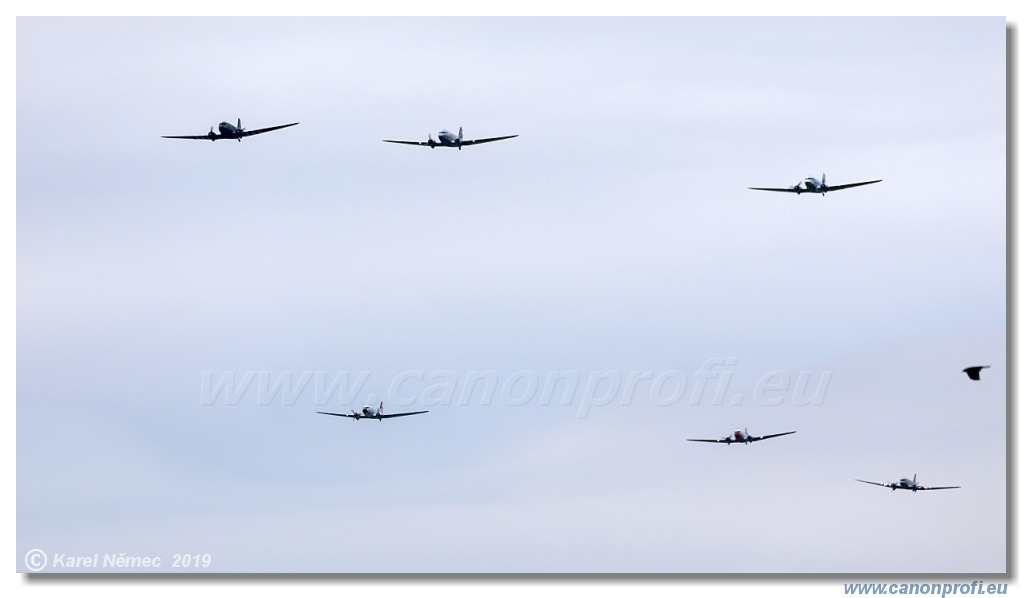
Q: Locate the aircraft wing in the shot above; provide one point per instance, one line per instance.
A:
(342, 414)
(387, 415)
(410, 142)
(767, 436)
(258, 131)
(848, 185)
(726, 440)
(203, 137)
(936, 487)
(783, 190)
(876, 483)
(487, 140)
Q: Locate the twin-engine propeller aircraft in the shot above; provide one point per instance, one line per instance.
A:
(739, 436)
(371, 413)
(813, 185)
(908, 484)
(229, 131)
(447, 139)
(974, 372)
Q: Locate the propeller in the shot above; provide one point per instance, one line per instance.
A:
(430, 141)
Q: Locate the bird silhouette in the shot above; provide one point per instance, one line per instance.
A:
(974, 372)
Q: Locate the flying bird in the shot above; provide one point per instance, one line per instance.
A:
(974, 372)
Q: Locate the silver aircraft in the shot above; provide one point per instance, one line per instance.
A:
(908, 484)
(229, 131)
(740, 436)
(371, 413)
(448, 139)
(813, 185)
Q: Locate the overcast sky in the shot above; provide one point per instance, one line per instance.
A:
(570, 305)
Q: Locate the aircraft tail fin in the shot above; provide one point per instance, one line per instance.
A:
(823, 183)
(239, 123)
(380, 408)
(460, 133)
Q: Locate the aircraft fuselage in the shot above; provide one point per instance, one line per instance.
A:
(905, 484)
(447, 139)
(366, 411)
(738, 436)
(810, 185)
(228, 130)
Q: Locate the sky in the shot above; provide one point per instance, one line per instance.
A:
(570, 305)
